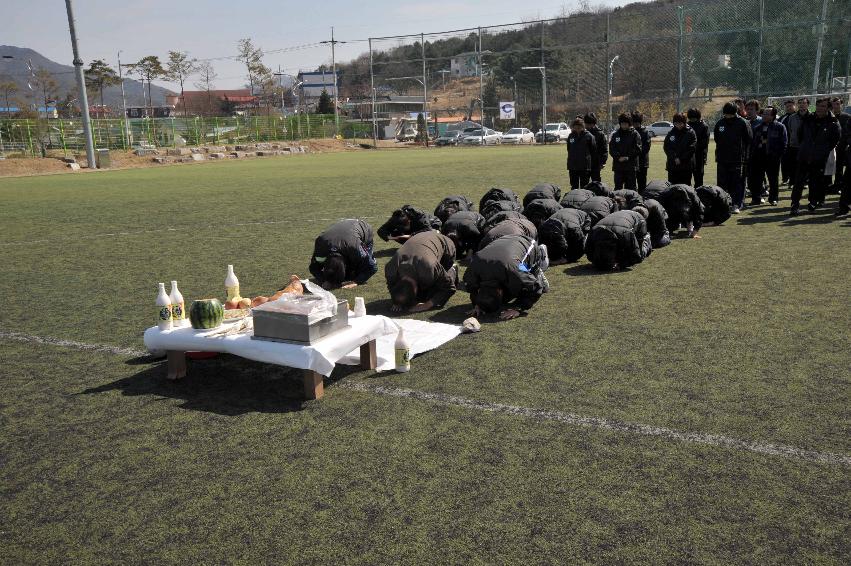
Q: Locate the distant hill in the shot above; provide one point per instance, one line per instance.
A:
(17, 70)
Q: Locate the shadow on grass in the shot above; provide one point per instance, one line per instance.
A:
(820, 216)
(586, 269)
(452, 315)
(225, 385)
(384, 253)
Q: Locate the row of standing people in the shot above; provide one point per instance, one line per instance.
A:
(508, 244)
(752, 146)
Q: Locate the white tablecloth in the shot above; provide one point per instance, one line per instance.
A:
(319, 357)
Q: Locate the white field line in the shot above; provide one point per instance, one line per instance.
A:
(173, 229)
(597, 423)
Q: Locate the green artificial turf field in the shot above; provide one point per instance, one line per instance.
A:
(479, 454)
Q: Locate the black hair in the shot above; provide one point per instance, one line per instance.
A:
(334, 269)
(754, 103)
(729, 108)
(625, 118)
(620, 202)
(404, 293)
(578, 122)
(605, 252)
(637, 117)
(489, 299)
(680, 117)
(694, 114)
(590, 118)
(771, 109)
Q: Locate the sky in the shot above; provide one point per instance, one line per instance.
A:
(210, 29)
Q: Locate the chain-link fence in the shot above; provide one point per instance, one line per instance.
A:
(656, 57)
(36, 137)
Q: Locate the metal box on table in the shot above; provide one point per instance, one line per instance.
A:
(298, 328)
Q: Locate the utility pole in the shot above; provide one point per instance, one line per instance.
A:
(611, 81)
(443, 77)
(334, 43)
(514, 80)
(81, 87)
(481, 88)
(609, 93)
(822, 29)
(124, 103)
(425, 87)
(544, 105)
(759, 53)
(281, 84)
(372, 88)
(680, 13)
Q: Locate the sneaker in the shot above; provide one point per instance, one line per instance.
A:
(794, 211)
(772, 202)
(762, 200)
(736, 210)
(812, 206)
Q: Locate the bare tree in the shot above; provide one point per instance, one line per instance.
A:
(8, 89)
(252, 58)
(179, 67)
(44, 88)
(206, 82)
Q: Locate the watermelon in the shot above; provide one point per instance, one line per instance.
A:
(206, 313)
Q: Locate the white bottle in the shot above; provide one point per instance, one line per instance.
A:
(164, 304)
(178, 310)
(403, 353)
(232, 285)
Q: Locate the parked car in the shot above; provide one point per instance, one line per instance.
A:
(490, 137)
(556, 132)
(659, 129)
(518, 136)
(450, 138)
(408, 133)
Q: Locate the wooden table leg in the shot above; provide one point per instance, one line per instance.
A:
(314, 387)
(368, 355)
(176, 362)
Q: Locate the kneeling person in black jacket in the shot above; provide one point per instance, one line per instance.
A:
(507, 276)
(657, 223)
(422, 275)
(564, 234)
(619, 240)
(342, 255)
(406, 221)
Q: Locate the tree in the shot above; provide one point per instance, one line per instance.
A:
(100, 75)
(148, 68)
(207, 75)
(45, 88)
(67, 106)
(178, 68)
(252, 58)
(324, 106)
(422, 129)
(7, 90)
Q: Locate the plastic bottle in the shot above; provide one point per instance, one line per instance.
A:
(403, 353)
(164, 304)
(232, 285)
(178, 310)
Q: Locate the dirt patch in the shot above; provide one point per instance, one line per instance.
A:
(53, 164)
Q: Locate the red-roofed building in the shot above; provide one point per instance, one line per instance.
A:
(212, 103)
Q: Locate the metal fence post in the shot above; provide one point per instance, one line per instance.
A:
(759, 53)
(62, 138)
(30, 138)
(680, 12)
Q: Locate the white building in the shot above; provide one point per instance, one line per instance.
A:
(315, 82)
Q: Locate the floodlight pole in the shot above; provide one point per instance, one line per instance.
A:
(81, 87)
(822, 26)
(425, 88)
(124, 102)
(609, 93)
(544, 92)
(372, 88)
(481, 88)
(334, 43)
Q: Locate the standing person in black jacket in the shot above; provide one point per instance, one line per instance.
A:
(644, 158)
(732, 140)
(625, 149)
(342, 255)
(680, 147)
(509, 269)
(701, 150)
(785, 165)
(602, 152)
(819, 135)
(845, 125)
(769, 144)
(406, 221)
(581, 154)
(793, 125)
(422, 274)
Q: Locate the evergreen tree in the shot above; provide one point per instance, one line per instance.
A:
(325, 105)
(422, 128)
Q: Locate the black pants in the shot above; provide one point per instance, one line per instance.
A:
(679, 177)
(730, 179)
(579, 178)
(764, 166)
(812, 173)
(841, 169)
(641, 179)
(845, 196)
(698, 174)
(789, 165)
(625, 180)
(595, 174)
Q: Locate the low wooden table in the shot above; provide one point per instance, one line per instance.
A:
(316, 361)
(314, 382)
